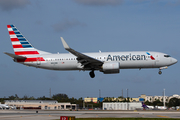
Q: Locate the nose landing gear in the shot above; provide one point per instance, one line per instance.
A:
(161, 68)
(92, 75)
(160, 72)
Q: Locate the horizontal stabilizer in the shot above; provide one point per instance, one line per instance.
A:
(15, 56)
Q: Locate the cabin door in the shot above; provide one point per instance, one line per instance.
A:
(38, 60)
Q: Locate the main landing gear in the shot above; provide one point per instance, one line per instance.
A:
(92, 75)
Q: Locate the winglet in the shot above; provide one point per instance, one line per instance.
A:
(64, 43)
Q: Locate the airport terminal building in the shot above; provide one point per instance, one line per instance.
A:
(122, 105)
(40, 104)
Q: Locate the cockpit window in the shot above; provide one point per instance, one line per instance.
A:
(167, 56)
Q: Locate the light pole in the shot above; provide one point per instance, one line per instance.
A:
(127, 102)
(122, 93)
(100, 97)
(164, 99)
(127, 94)
(99, 93)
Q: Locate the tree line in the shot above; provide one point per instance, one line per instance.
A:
(173, 102)
(59, 97)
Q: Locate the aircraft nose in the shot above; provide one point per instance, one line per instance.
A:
(174, 60)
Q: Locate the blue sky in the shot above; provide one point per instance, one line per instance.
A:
(90, 26)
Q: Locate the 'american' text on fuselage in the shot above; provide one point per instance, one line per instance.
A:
(126, 57)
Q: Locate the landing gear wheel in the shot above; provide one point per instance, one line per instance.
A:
(160, 72)
(92, 75)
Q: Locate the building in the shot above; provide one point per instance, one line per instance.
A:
(154, 98)
(174, 96)
(149, 98)
(121, 105)
(94, 100)
(119, 99)
(40, 104)
(134, 99)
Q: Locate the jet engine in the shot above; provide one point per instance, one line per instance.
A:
(110, 67)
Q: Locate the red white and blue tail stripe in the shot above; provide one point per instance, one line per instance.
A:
(20, 44)
(22, 47)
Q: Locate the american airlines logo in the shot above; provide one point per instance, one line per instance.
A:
(152, 58)
(126, 57)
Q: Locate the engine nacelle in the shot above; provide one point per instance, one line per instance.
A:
(110, 67)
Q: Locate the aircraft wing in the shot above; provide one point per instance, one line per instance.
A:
(82, 58)
(15, 56)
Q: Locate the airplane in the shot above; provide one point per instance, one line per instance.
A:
(146, 106)
(153, 107)
(161, 107)
(4, 106)
(106, 62)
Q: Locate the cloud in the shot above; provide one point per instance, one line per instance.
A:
(171, 3)
(9, 5)
(52, 76)
(39, 22)
(99, 2)
(66, 24)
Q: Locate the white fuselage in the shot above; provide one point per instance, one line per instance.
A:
(127, 60)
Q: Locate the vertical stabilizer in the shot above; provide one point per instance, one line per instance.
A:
(20, 44)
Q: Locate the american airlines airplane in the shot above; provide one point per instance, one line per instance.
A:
(106, 62)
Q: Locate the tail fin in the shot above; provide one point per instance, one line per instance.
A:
(20, 44)
(144, 105)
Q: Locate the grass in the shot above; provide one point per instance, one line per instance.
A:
(127, 119)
